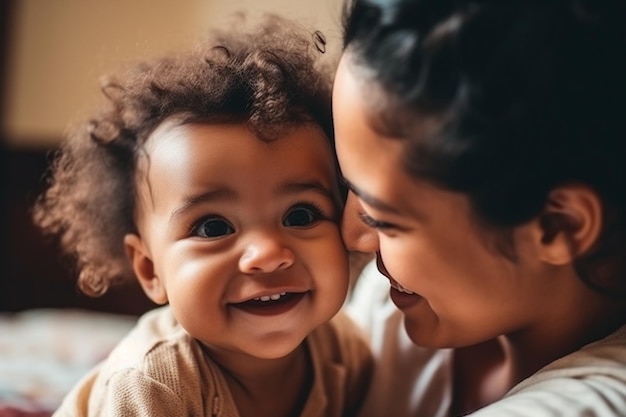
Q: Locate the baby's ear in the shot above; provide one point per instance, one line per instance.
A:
(570, 224)
(144, 268)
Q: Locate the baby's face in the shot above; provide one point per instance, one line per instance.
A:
(240, 236)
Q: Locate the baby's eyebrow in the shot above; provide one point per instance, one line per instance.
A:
(220, 194)
(315, 186)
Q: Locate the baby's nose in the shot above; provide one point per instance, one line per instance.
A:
(266, 253)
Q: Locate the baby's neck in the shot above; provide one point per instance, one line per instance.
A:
(270, 387)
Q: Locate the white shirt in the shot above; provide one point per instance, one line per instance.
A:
(410, 381)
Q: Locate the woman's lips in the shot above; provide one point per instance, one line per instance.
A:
(403, 300)
(396, 285)
(402, 297)
(383, 270)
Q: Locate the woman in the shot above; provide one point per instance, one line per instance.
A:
(483, 144)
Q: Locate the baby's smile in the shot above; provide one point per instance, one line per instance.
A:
(270, 305)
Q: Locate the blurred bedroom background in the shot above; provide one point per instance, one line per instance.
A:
(52, 53)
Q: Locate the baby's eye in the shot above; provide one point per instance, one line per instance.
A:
(302, 215)
(212, 227)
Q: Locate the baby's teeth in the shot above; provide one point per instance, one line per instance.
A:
(272, 297)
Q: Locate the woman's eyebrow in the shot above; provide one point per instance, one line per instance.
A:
(369, 199)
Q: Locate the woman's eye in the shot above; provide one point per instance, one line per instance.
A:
(211, 228)
(302, 216)
(373, 223)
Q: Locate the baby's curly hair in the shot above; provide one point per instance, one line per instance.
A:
(269, 78)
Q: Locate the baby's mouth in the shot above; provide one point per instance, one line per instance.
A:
(273, 297)
(271, 304)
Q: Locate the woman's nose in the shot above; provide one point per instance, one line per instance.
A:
(265, 252)
(356, 235)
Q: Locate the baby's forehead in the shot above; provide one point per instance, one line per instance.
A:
(190, 158)
(176, 125)
(189, 143)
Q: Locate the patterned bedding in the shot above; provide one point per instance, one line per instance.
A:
(44, 352)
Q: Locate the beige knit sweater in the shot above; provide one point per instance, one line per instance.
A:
(159, 370)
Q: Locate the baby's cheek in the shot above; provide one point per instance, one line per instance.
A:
(338, 269)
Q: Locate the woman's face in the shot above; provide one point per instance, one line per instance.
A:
(453, 287)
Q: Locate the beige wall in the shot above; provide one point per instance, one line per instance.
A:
(59, 48)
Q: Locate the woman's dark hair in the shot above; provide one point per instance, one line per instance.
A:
(267, 78)
(527, 95)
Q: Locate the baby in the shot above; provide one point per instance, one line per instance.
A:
(211, 177)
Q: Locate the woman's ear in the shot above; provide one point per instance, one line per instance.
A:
(144, 269)
(570, 223)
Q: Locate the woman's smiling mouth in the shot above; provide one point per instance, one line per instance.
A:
(394, 284)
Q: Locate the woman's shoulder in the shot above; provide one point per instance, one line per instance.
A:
(605, 357)
(588, 382)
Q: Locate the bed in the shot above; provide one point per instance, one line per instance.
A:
(44, 352)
